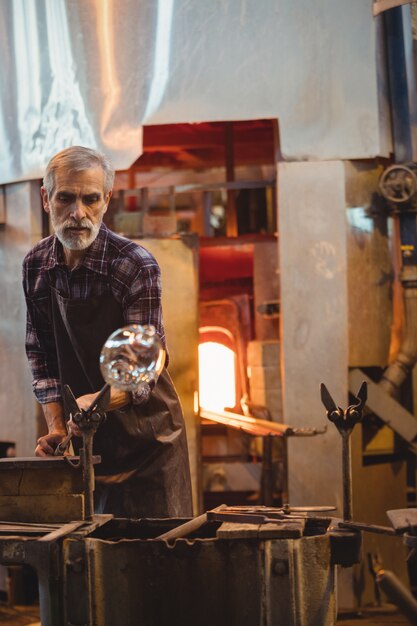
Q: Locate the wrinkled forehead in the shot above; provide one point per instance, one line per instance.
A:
(89, 180)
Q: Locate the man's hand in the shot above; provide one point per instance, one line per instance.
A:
(56, 424)
(118, 399)
(47, 444)
(85, 401)
(57, 431)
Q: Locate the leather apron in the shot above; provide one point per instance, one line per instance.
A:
(143, 447)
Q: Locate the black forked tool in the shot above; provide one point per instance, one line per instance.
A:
(345, 422)
(87, 420)
(84, 419)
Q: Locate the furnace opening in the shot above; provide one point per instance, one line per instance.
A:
(216, 376)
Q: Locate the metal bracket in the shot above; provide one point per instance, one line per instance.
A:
(387, 409)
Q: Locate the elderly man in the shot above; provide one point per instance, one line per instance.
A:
(81, 284)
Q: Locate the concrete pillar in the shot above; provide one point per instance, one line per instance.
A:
(20, 230)
(314, 322)
(178, 262)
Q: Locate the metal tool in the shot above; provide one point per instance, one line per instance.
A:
(370, 528)
(345, 422)
(189, 527)
(263, 515)
(244, 515)
(285, 511)
(245, 518)
(403, 520)
(256, 426)
(77, 415)
(62, 447)
(87, 420)
(393, 588)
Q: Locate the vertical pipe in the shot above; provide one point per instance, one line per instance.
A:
(50, 595)
(131, 198)
(267, 469)
(347, 475)
(207, 206)
(144, 199)
(401, 81)
(231, 218)
(172, 199)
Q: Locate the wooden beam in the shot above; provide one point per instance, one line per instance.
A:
(384, 5)
(205, 135)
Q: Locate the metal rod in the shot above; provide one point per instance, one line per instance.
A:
(86, 454)
(267, 483)
(188, 527)
(98, 397)
(370, 528)
(347, 476)
(398, 594)
(185, 529)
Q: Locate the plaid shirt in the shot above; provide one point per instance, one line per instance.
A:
(134, 278)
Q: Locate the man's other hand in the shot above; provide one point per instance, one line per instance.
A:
(47, 444)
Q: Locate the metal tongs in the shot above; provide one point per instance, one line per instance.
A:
(85, 419)
(345, 422)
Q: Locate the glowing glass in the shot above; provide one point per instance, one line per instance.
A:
(132, 356)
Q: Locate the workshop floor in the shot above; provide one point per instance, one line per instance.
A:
(389, 616)
(19, 615)
(29, 616)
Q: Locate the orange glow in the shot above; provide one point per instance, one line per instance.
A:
(217, 381)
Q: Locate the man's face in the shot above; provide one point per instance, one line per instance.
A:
(76, 206)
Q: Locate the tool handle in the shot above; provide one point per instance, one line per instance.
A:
(372, 528)
(188, 527)
(185, 529)
(63, 446)
(239, 518)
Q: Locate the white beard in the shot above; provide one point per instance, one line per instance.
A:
(75, 241)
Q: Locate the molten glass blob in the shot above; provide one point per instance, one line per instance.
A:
(217, 376)
(132, 355)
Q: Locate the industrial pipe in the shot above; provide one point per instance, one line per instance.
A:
(398, 184)
(388, 582)
(397, 372)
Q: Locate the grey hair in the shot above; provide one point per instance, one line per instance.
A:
(77, 159)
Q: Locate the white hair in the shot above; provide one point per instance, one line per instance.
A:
(76, 159)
